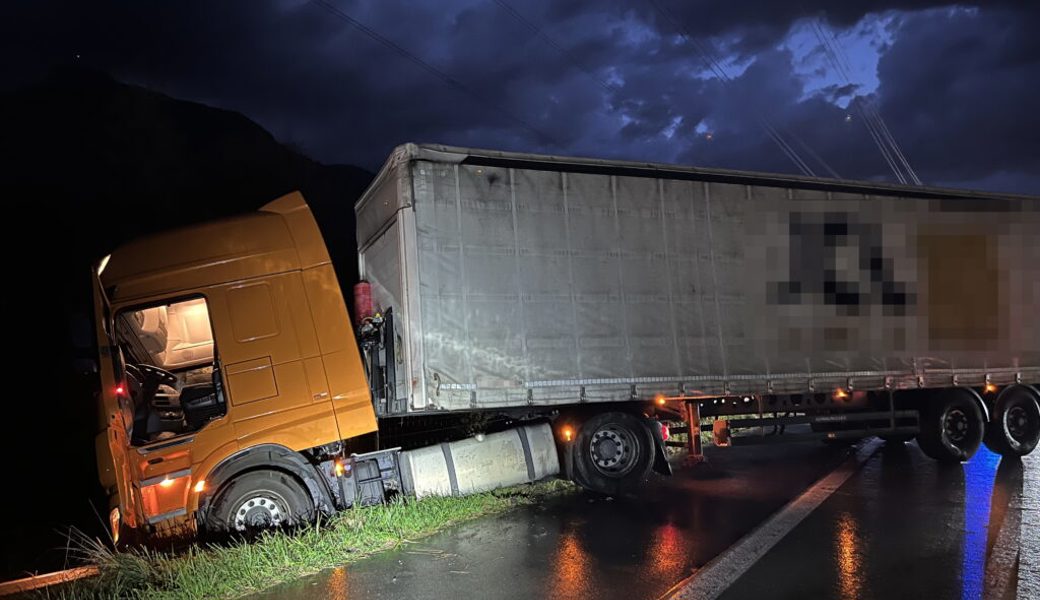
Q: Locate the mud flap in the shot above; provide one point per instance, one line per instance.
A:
(661, 464)
(720, 433)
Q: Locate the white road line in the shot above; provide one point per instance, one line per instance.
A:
(1000, 566)
(1001, 562)
(1029, 531)
(714, 578)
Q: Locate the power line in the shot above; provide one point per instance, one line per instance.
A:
(720, 73)
(872, 109)
(872, 119)
(812, 154)
(551, 42)
(432, 70)
(868, 119)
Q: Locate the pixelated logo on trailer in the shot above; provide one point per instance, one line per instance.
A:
(838, 260)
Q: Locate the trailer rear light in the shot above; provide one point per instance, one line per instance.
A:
(567, 432)
(120, 390)
(200, 486)
(840, 394)
(660, 400)
(665, 434)
(990, 388)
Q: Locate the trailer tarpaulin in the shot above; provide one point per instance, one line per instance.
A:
(518, 280)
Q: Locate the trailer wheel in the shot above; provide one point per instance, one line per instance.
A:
(1014, 429)
(952, 426)
(614, 453)
(257, 501)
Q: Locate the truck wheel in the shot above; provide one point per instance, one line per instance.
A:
(259, 500)
(1014, 429)
(952, 426)
(613, 453)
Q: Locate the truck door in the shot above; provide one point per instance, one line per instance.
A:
(115, 417)
(277, 386)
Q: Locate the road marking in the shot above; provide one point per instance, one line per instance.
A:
(1000, 566)
(35, 582)
(1029, 531)
(710, 581)
(1006, 560)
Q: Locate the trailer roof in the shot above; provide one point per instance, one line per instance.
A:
(546, 162)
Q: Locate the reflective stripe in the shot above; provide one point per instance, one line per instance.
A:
(164, 477)
(167, 515)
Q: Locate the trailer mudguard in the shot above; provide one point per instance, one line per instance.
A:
(661, 464)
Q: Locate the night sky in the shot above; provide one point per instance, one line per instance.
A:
(955, 84)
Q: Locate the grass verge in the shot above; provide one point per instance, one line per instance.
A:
(236, 570)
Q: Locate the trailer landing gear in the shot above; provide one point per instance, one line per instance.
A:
(694, 449)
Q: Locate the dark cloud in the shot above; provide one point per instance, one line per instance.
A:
(956, 85)
(963, 87)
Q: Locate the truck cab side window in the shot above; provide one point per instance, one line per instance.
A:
(171, 369)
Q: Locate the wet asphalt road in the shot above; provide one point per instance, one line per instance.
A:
(906, 527)
(902, 527)
(581, 546)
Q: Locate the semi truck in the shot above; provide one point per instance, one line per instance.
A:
(522, 316)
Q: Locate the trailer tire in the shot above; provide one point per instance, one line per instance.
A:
(1014, 429)
(614, 453)
(259, 500)
(952, 426)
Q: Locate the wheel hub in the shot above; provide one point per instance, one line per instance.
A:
(612, 449)
(1018, 424)
(260, 512)
(956, 425)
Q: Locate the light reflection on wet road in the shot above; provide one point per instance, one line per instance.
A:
(979, 474)
(581, 546)
(903, 527)
(906, 527)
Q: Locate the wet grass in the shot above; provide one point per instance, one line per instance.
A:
(234, 570)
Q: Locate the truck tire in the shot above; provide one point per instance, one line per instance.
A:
(952, 426)
(1014, 429)
(614, 453)
(257, 501)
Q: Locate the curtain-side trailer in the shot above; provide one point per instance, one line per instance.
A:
(566, 306)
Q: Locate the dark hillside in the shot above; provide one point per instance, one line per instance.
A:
(87, 163)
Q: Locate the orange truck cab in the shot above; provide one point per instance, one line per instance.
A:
(224, 347)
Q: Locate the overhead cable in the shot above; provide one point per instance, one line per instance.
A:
(720, 73)
(432, 70)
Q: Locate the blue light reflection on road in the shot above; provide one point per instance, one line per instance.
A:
(979, 474)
